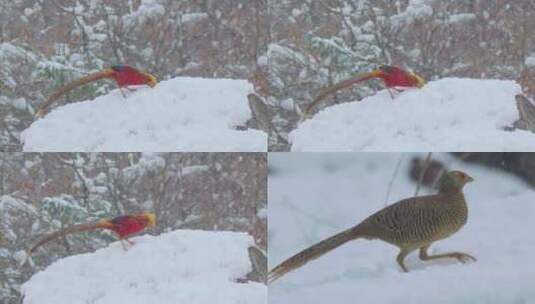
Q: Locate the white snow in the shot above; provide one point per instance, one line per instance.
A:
(530, 61)
(10, 51)
(4, 253)
(451, 114)
(8, 206)
(21, 257)
(416, 9)
(296, 12)
(280, 51)
(460, 18)
(181, 114)
(13, 54)
(147, 163)
(183, 266)
(194, 17)
(194, 169)
(262, 213)
(148, 9)
(313, 196)
(287, 104)
(28, 11)
(8, 203)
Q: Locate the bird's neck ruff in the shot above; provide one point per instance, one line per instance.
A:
(151, 218)
(152, 80)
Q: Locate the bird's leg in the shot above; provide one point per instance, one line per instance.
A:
(129, 242)
(122, 243)
(122, 92)
(401, 256)
(390, 92)
(125, 91)
(460, 256)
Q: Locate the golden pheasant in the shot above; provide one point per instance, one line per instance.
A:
(123, 75)
(392, 76)
(124, 226)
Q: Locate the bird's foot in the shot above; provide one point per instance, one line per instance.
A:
(463, 257)
(128, 242)
(392, 95)
(124, 91)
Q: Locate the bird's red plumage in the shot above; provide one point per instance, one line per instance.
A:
(127, 225)
(126, 76)
(392, 77)
(397, 77)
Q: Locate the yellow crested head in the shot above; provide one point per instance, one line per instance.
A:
(152, 80)
(151, 217)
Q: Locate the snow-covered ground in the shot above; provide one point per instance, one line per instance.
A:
(313, 196)
(451, 114)
(178, 267)
(181, 114)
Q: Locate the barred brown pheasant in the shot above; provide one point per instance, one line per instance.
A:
(410, 224)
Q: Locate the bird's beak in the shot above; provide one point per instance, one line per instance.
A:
(152, 80)
(469, 178)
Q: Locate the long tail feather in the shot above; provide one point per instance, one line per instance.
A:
(314, 252)
(71, 86)
(69, 230)
(336, 87)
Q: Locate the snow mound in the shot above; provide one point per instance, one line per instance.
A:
(450, 114)
(314, 197)
(180, 114)
(177, 267)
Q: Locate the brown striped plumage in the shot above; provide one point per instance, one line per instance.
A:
(410, 224)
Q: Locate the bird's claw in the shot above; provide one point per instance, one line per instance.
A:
(464, 257)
